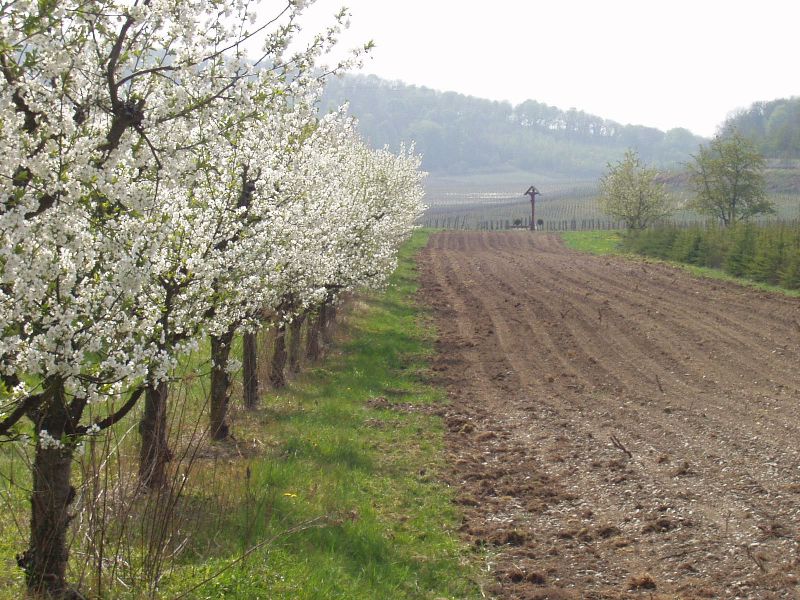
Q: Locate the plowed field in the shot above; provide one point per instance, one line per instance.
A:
(617, 428)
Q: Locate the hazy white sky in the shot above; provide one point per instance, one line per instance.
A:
(676, 63)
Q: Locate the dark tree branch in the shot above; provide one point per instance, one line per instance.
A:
(9, 381)
(113, 60)
(244, 38)
(150, 71)
(204, 101)
(114, 418)
(30, 403)
(19, 102)
(244, 201)
(140, 130)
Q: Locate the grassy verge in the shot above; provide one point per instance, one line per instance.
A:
(593, 242)
(608, 242)
(353, 477)
(330, 490)
(720, 275)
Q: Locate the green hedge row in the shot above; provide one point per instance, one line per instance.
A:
(766, 253)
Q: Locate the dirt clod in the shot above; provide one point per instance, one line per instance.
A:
(642, 582)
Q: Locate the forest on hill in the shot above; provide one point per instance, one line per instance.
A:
(774, 125)
(458, 134)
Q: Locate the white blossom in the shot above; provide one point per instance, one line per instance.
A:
(125, 234)
(48, 442)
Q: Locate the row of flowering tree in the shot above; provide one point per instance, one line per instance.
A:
(159, 188)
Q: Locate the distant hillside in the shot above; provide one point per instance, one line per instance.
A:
(774, 125)
(459, 134)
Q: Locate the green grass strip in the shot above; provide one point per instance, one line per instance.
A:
(593, 242)
(336, 451)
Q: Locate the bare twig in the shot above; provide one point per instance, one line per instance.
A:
(755, 559)
(618, 444)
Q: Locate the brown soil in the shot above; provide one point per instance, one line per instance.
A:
(618, 429)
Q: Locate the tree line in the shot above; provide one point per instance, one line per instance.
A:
(457, 133)
(160, 189)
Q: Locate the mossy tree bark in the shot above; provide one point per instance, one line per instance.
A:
(277, 376)
(154, 453)
(220, 385)
(250, 370)
(295, 343)
(314, 336)
(45, 560)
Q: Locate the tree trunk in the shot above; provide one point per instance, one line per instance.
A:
(220, 383)
(313, 338)
(250, 370)
(154, 453)
(45, 561)
(328, 320)
(276, 372)
(295, 337)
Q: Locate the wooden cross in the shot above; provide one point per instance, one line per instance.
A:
(533, 192)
